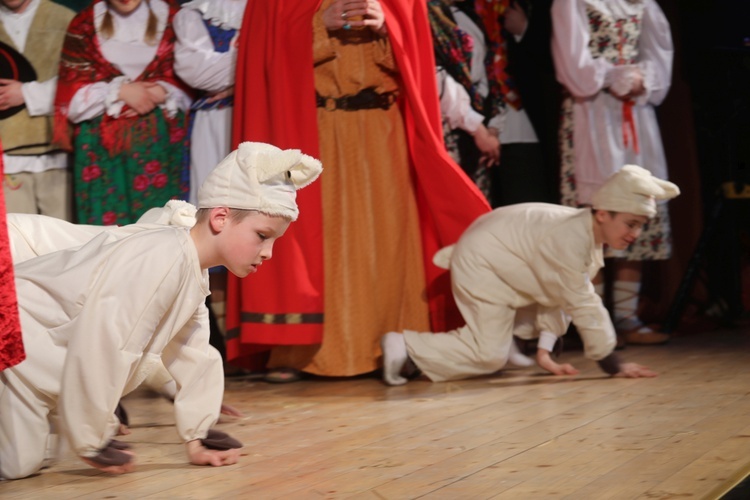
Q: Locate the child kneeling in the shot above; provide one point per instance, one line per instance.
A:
(99, 317)
(526, 270)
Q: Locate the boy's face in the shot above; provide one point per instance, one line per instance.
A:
(619, 230)
(244, 244)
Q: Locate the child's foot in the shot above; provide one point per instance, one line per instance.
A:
(394, 358)
(517, 358)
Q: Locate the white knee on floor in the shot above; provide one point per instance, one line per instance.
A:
(18, 469)
(490, 362)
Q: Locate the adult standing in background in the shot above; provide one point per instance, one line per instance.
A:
(519, 33)
(205, 58)
(37, 179)
(614, 59)
(470, 102)
(118, 90)
(354, 80)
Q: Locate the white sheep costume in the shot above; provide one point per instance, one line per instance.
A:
(103, 307)
(525, 270)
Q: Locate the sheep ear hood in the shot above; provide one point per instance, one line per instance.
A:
(442, 257)
(262, 177)
(633, 190)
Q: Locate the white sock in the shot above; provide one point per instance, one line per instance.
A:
(625, 296)
(517, 358)
(394, 357)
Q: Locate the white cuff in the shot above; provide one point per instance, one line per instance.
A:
(547, 341)
(473, 122)
(170, 107)
(112, 102)
(176, 100)
(39, 97)
(649, 82)
(619, 79)
(498, 121)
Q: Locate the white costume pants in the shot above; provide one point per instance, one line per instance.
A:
(494, 313)
(24, 428)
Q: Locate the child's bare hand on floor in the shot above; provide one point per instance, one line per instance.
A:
(544, 360)
(114, 469)
(200, 455)
(634, 370)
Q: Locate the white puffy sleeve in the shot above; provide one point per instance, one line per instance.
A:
(576, 69)
(95, 99)
(655, 54)
(562, 272)
(109, 334)
(32, 235)
(39, 97)
(455, 104)
(196, 61)
(199, 374)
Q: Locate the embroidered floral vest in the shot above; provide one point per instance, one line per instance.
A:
(615, 28)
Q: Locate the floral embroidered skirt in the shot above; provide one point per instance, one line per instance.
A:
(139, 167)
(655, 242)
(479, 173)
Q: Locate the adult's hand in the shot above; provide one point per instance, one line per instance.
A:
(137, 96)
(515, 20)
(10, 94)
(355, 14)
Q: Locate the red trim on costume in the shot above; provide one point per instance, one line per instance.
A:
(12, 62)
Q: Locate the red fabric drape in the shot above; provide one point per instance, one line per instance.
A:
(11, 345)
(275, 103)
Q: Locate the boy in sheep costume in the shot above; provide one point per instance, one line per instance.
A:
(526, 270)
(99, 317)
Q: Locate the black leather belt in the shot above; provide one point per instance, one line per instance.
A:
(366, 99)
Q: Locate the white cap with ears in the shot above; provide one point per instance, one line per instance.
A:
(633, 190)
(262, 177)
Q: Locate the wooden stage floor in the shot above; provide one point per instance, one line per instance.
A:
(518, 435)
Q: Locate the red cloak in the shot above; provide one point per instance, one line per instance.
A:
(11, 346)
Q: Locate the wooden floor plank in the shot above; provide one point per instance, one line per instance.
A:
(518, 434)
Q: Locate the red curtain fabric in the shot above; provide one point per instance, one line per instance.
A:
(11, 345)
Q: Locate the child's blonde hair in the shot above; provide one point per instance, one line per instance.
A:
(235, 214)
